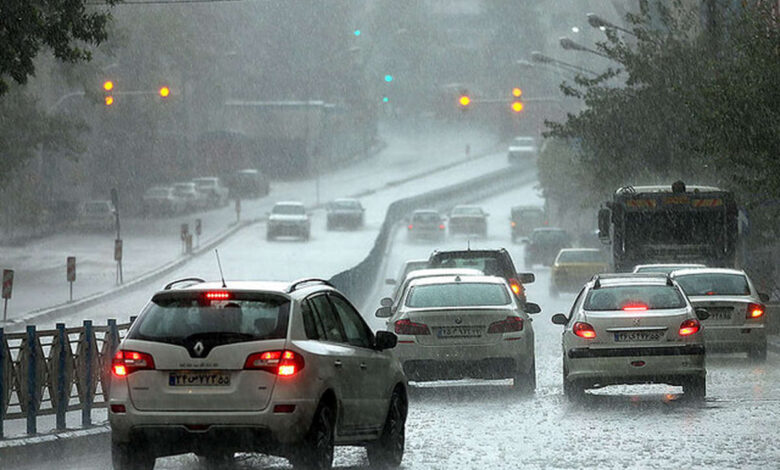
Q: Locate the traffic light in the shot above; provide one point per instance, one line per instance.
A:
(517, 100)
(517, 106)
(108, 99)
(108, 85)
(165, 91)
(388, 78)
(464, 100)
(517, 92)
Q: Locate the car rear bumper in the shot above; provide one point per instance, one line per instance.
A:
(490, 368)
(734, 338)
(288, 230)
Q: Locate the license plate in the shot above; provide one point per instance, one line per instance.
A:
(460, 332)
(632, 336)
(199, 379)
(719, 314)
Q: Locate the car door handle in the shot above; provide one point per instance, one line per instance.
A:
(337, 363)
(363, 366)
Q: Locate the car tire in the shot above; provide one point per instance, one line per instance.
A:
(695, 388)
(130, 457)
(573, 391)
(526, 383)
(316, 451)
(216, 460)
(758, 353)
(388, 450)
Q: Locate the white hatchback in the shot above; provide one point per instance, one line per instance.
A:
(632, 329)
(454, 327)
(288, 369)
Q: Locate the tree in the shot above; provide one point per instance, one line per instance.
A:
(27, 26)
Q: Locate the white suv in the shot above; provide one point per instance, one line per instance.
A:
(288, 369)
(632, 329)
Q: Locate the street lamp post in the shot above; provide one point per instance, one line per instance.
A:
(600, 23)
(571, 45)
(540, 58)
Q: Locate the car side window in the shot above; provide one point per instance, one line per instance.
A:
(576, 303)
(330, 321)
(358, 333)
(311, 322)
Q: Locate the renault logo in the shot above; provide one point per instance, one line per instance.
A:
(198, 348)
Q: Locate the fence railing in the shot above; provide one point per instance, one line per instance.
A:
(52, 372)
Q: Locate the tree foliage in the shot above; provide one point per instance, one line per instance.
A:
(64, 26)
(701, 104)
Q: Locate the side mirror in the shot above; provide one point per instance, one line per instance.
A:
(386, 302)
(383, 312)
(702, 313)
(559, 319)
(526, 278)
(385, 340)
(532, 308)
(390, 281)
(763, 296)
(604, 220)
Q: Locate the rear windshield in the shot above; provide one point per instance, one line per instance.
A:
(489, 265)
(431, 217)
(580, 257)
(245, 317)
(457, 294)
(289, 209)
(467, 211)
(345, 205)
(631, 298)
(714, 284)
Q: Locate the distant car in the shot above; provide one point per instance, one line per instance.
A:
(737, 320)
(522, 149)
(496, 262)
(212, 188)
(288, 219)
(287, 369)
(544, 244)
(573, 267)
(249, 183)
(632, 329)
(97, 215)
(193, 199)
(401, 288)
(161, 200)
(345, 213)
(426, 224)
(454, 327)
(468, 220)
(664, 268)
(524, 219)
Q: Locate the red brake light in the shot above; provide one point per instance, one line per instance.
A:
(218, 295)
(637, 307)
(755, 310)
(513, 224)
(441, 226)
(507, 325)
(411, 226)
(584, 330)
(125, 363)
(283, 363)
(689, 327)
(408, 327)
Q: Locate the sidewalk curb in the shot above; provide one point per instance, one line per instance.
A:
(29, 452)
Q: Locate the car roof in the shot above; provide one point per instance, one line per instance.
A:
(426, 211)
(629, 279)
(304, 286)
(289, 203)
(669, 265)
(452, 279)
(683, 272)
(467, 253)
(578, 249)
(346, 199)
(420, 273)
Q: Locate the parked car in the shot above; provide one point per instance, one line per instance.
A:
(468, 220)
(664, 268)
(524, 219)
(544, 244)
(454, 327)
(345, 213)
(161, 200)
(288, 219)
(287, 369)
(522, 149)
(97, 215)
(194, 200)
(632, 329)
(737, 320)
(491, 262)
(573, 267)
(249, 183)
(214, 191)
(426, 224)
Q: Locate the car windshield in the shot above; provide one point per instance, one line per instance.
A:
(581, 256)
(345, 205)
(173, 319)
(289, 209)
(634, 298)
(457, 294)
(714, 284)
(467, 211)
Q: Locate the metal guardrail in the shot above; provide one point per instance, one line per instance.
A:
(41, 373)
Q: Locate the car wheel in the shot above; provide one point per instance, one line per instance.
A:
(758, 353)
(316, 451)
(388, 450)
(695, 388)
(216, 460)
(526, 383)
(130, 457)
(571, 389)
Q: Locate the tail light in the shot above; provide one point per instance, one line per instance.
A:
(441, 226)
(513, 224)
(516, 287)
(125, 363)
(755, 310)
(410, 226)
(283, 363)
(507, 325)
(634, 307)
(218, 295)
(408, 327)
(584, 330)
(689, 327)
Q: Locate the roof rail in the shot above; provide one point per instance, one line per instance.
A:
(599, 276)
(191, 280)
(294, 285)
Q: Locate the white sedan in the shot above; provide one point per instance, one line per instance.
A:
(454, 327)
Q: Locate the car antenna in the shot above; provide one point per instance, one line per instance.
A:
(222, 276)
(468, 244)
